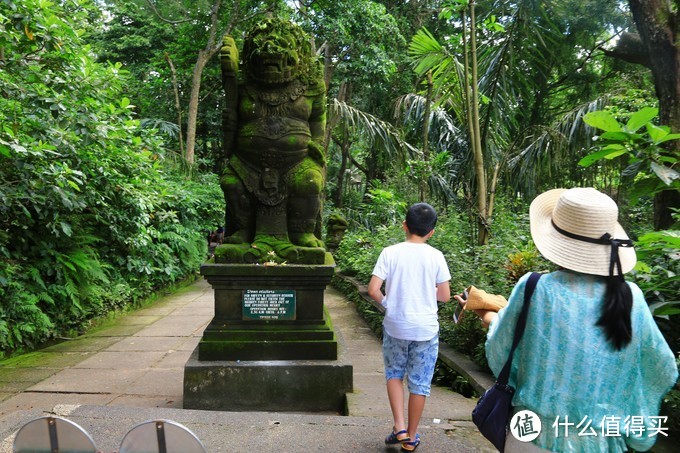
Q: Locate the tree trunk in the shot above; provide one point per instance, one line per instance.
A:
(328, 67)
(178, 105)
(492, 191)
(344, 92)
(426, 135)
(343, 96)
(340, 183)
(478, 152)
(204, 55)
(192, 113)
(658, 26)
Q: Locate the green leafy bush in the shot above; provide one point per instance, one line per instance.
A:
(657, 273)
(360, 248)
(670, 407)
(91, 214)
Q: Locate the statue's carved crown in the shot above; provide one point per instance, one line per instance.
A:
(278, 51)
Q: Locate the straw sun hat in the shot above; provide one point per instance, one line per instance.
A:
(578, 229)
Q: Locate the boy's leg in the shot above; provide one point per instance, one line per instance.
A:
(395, 354)
(422, 358)
(395, 393)
(416, 405)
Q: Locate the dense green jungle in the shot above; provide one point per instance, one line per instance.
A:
(111, 142)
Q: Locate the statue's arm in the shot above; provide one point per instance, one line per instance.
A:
(229, 63)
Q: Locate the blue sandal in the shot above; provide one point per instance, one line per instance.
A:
(409, 445)
(397, 438)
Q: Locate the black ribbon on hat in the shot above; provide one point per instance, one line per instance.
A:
(605, 239)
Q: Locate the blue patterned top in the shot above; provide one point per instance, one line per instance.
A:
(565, 367)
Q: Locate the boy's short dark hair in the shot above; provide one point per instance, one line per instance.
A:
(421, 219)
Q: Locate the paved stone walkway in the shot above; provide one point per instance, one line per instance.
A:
(132, 370)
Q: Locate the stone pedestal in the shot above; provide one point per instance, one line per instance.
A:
(271, 344)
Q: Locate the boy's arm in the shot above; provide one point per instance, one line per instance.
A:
(443, 292)
(374, 290)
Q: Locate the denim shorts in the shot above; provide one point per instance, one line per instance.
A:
(415, 359)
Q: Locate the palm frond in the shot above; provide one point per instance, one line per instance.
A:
(549, 150)
(375, 130)
(426, 54)
(162, 126)
(444, 134)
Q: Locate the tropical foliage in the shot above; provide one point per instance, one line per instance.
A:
(93, 215)
(110, 141)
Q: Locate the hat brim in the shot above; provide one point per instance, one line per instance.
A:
(572, 253)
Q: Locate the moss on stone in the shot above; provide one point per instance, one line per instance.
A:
(44, 360)
(229, 180)
(247, 105)
(230, 253)
(249, 130)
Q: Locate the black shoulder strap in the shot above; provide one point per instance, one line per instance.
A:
(521, 325)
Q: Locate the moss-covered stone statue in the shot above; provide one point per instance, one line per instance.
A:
(336, 226)
(274, 121)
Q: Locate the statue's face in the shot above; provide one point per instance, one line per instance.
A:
(275, 60)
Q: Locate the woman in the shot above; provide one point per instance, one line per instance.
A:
(592, 363)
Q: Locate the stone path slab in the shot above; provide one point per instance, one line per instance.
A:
(132, 371)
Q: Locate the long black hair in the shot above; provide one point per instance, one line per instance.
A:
(616, 309)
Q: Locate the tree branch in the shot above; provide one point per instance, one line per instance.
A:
(361, 168)
(630, 48)
(233, 21)
(599, 46)
(152, 5)
(212, 47)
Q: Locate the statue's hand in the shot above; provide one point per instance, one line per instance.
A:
(229, 55)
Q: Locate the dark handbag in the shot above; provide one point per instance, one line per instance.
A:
(492, 413)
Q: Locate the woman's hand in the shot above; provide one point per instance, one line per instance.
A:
(486, 316)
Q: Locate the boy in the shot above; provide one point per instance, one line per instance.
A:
(416, 277)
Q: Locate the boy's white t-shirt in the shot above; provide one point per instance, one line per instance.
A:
(411, 271)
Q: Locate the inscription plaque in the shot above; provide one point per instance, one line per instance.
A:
(269, 304)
